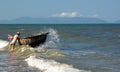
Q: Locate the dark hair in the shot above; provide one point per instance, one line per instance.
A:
(18, 33)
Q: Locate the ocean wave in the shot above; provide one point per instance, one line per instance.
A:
(3, 44)
(50, 65)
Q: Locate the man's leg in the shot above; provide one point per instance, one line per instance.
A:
(11, 47)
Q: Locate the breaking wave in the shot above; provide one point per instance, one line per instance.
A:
(50, 65)
(3, 44)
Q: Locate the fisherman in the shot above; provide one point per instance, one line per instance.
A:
(14, 40)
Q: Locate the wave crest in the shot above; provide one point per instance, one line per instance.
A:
(50, 65)
(3, 44)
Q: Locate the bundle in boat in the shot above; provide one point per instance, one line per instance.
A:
(34, 40)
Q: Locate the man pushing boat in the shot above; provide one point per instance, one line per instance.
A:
(33, 41)
(14, 40)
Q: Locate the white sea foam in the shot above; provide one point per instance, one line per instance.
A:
(50, 65)
(3, 44)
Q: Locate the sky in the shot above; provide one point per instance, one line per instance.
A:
(103, 9)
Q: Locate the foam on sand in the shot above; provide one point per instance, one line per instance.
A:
(50, 65)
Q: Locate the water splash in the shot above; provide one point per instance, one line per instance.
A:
(53, 40)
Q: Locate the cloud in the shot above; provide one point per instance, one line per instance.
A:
(65, 14)
(74, 14)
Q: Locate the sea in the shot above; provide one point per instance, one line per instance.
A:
(68, 48)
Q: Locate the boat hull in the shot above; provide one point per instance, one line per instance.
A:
(33, 41)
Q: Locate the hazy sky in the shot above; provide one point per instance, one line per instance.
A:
(104, 9)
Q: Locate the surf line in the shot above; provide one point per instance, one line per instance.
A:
(50, 65)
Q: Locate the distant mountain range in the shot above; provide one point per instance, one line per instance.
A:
(118, 21)
(54, 20)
